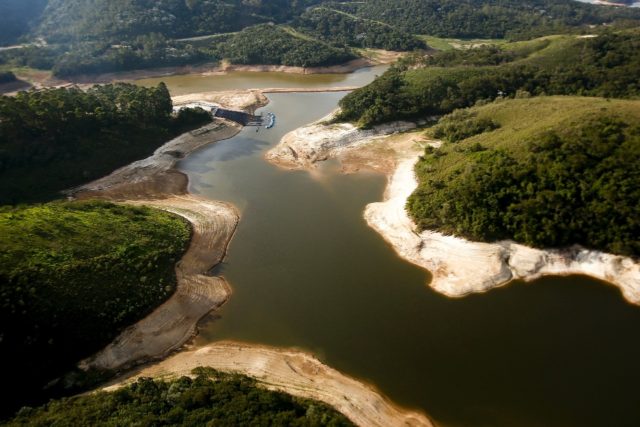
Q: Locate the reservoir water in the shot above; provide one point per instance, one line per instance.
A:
(308, 273)
(192, 83)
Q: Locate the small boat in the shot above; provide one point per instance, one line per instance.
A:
(272, 120)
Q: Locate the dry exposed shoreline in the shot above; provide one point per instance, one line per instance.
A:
(44, 79)
(293, 372)
(154, 182)
(459, 267)
(302, 147)
(215, 69)
(169, 326)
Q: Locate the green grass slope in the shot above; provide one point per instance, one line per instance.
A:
(211, 398)
(546, 172)
(72, 276)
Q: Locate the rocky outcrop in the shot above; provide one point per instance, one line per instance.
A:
(304, 146)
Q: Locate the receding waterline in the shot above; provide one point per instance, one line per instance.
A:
(307, 272)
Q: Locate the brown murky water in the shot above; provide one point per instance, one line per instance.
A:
(307, 272)
(181, 85)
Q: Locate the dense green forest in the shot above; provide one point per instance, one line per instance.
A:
(546, 172)
(72, 276)
(54, 139)
(269, 44)
(486, 18)
(259, 44)
(211, 398)
(104, 36)
(118, 20)
(147, 51)
(606, 66)
(65, 20)
(344, 29)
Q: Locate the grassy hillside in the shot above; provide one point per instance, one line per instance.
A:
(546, 171)
(565, 65)
(211, 398)
(72, 276)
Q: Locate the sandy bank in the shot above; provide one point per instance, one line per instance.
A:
(318, 141)
(174, 322)
(248, 100)
(459, 267)
(293, 372)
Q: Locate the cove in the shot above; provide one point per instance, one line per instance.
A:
(307, 272)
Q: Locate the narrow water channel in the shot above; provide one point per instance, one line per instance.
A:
(308, 273)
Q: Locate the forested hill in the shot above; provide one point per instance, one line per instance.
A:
(73, 275)
(54, 139)
(123, 19)
(485, 18)
(97, 36)
(105, 20)
(339, 27)
(606, 65)
(544, 171)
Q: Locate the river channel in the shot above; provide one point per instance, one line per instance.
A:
(308, 273)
